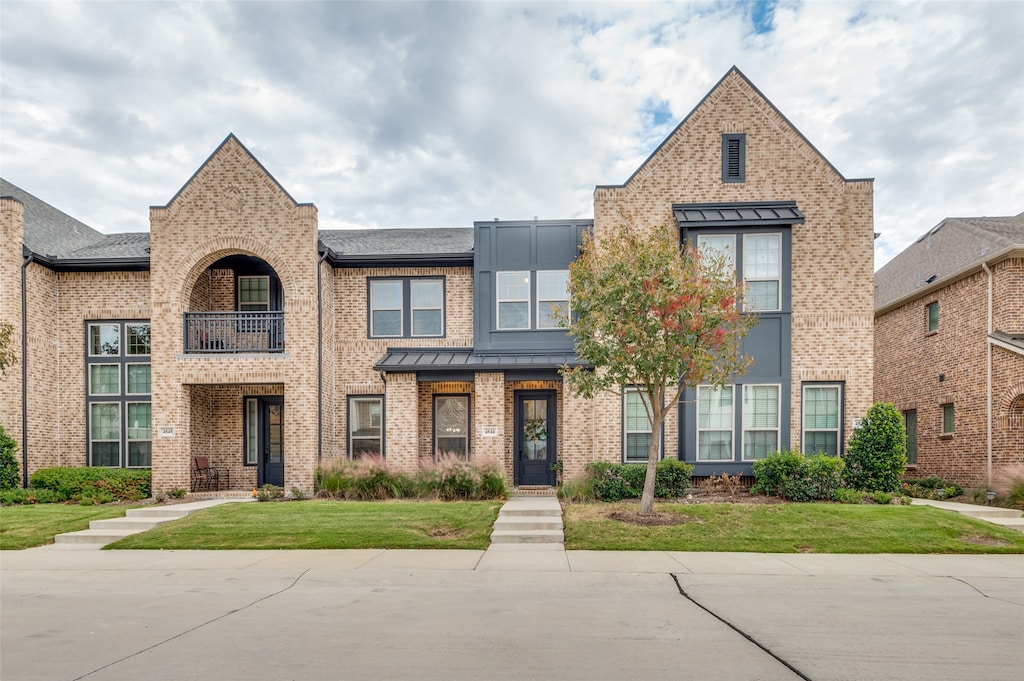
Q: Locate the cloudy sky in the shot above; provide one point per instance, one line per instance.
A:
(438, 114)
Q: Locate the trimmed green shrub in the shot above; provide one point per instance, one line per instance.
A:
(791, 475)
(447, 479)
(31, 495)
(269, 493)
(9, 478)
(881, 498)
(850, 496)
(617, 481)
(929, 488)
(877, 455)
(76, 483)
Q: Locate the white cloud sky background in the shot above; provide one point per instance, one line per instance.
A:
(435, 115)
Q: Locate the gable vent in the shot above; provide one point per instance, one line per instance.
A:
(734, 157)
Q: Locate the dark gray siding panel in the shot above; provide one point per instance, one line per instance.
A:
(513, 246)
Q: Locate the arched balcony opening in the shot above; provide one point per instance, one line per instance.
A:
(236, 306)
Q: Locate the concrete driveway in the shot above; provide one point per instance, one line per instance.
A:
(533, 614)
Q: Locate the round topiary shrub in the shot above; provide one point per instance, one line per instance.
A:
(877, 455)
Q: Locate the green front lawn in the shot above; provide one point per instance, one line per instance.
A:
(789, 528)
(323, 524)
(22, 527)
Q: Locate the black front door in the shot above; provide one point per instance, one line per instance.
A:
(271, 463)
(535, 437)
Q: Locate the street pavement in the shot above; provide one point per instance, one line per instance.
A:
(508, 613)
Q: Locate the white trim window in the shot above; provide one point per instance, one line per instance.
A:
(760, 421)
(762, 268)
(636, 427)
(104, 340)
(119, 383)
(552, 298)
(426, 300)
(254, 293)
(139, 434)
(105, 434)
(822, 417)
(714, 423)
(252, 431)
(105, 379)
(138, 379)
(365, 426)
(718, 246)
(386, 307)
(513, 298)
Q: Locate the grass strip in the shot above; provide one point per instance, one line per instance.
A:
(788, 528)
(23, 527)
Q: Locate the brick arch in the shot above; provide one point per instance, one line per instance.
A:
(1015, 393)
(221, 247)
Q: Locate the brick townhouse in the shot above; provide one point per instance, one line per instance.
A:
(949, 347)
(237, 330)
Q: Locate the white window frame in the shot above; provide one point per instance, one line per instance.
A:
(352, 439)
(838, 430)
(92, 391)
(88, 339)
(127, 346)
(626, 432)
(732, 422)
(942, 412)
(777, 278)
(252, 431)
(413, 308)
(128, 439)
(400, 308)
(519, 274)
(434, 421)
(549, 301)
(714, 252)
(127, 365)
(751, 429)
(265, 305)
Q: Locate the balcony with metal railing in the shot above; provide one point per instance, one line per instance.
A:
(233, 332)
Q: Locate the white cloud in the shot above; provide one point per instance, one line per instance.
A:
(440, 114)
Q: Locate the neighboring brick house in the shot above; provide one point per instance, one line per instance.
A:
(949, 347)
(238, 331)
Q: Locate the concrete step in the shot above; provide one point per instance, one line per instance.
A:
(527, 537)
(530, 513)
(137, 524)
(1012, 523)
(991, 512)
(156, 512)
(98, 537)
(521, 523)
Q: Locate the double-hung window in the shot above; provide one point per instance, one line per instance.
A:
(822, 417)
(636, 426)
(365, 426)
(513, 300)
(451, 426)
(760, 421)
(552, 298)
(719, 246)
(762, 271)
(254, 293)
(119, 388)
(714, 423)
(408, 307)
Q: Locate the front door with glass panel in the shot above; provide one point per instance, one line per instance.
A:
(264, 437)
(535, 437)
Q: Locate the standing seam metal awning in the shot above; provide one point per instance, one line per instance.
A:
(464, 359)
(744, 214)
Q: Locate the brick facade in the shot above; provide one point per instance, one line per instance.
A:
(231, 207)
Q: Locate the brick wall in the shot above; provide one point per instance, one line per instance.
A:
(12, 217)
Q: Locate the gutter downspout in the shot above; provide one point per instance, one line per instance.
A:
(320, 360)
(24, 371)
(988, 366)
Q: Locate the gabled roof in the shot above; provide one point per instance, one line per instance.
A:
(943, 254)
(49, 231)
(367, 247)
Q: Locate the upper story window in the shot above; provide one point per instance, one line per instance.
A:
(719, 246)
(408, 307)
(552, 298)
(762, 271)
(254, 293)
(933, 316)
(734, 158)
(515, 292)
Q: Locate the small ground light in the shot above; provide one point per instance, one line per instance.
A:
(941, 493)
(991, 495)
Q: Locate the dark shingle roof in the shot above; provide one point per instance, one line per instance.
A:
(1015, 340)
(949, 249)
(449, 359)
(49, 231)
(112, 246)
(398, 242)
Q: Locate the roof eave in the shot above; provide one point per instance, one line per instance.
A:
(422, 259)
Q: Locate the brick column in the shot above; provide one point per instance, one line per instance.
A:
(401, 422)
(489, 414)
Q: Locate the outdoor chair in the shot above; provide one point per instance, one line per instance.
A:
(208, 478)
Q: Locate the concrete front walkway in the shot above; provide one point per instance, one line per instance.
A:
(1007, 517)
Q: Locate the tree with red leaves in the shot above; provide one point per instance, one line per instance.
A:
(651, 315)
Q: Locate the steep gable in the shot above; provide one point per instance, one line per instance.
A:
(49, 231)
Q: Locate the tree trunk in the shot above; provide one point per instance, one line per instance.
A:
(647, 498)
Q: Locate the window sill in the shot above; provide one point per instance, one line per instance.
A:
(931, 333)
(946, 436)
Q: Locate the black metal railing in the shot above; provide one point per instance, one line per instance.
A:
(234, 332)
